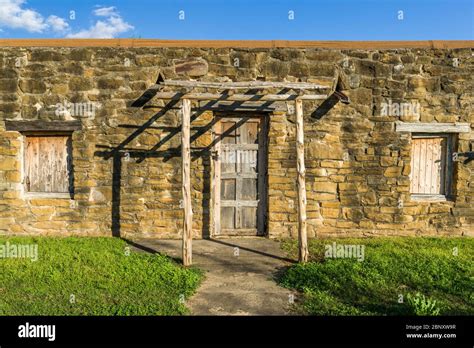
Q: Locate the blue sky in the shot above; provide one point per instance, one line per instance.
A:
(240, 19)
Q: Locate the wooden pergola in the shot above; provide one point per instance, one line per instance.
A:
(226, 91)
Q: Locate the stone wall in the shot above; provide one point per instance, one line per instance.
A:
(357, 164)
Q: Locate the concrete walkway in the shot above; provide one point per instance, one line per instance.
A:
(239, 275)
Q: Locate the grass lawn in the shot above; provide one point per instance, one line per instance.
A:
(394, 270)
(92, 276)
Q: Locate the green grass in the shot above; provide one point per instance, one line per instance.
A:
(422, 270)
(97, 275)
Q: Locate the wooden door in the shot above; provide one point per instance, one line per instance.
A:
(240, 176)
(48, 164)
(428, 165)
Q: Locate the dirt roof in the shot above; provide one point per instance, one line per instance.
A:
(234, 43)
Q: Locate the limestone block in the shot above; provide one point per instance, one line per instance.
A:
(193, 67)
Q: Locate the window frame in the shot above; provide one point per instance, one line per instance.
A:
(448, 170)
(69, 144)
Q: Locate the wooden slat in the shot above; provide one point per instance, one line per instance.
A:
(238, 97)
(242, 175)
(448, 165)
(415, 169)
(186, 175)
(61, 174)
(241, 85)
(435, 148)
(36, 126)
(248, 106)
(429, 165)
(423, 166)
(31, 164)
(428, 198)
(439, 150)
(301, 171)
(45, 166)
(433, 127)
(226, 146)
(239, 203)
(443, 174)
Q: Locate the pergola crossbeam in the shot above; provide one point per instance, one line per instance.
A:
(241, 85)
(238, 97)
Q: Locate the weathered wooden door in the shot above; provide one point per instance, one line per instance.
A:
(240, 176)
(431, 165)
(48, 164)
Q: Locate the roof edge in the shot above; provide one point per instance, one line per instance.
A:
(127, 43)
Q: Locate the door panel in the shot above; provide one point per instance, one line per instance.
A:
(240, 172)
(249, 217)
(228, 189)
(48, 163)
(249, 189)
(228, 217)
(428, 165)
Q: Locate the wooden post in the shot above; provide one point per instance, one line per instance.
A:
(186, 171)
(302, 235)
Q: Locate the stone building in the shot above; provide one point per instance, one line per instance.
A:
(87, 146)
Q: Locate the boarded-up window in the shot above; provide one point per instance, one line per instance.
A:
(48, 164)
(430, 165)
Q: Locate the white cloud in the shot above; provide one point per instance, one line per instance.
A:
(104, 29)
(14, 15)
(57, 23)
(106, 11)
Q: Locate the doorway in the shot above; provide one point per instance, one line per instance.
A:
(240, 175)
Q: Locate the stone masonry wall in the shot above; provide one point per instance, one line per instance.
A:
(357, 164)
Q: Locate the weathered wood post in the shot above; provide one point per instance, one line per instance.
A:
(186, 171)
(301, 184)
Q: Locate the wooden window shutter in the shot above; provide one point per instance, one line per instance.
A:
(48, 164)
(428, 165)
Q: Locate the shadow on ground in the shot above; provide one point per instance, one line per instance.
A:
(240, 275)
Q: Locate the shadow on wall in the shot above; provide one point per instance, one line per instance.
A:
(140, 155)
(325, 107)
(120, 151)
